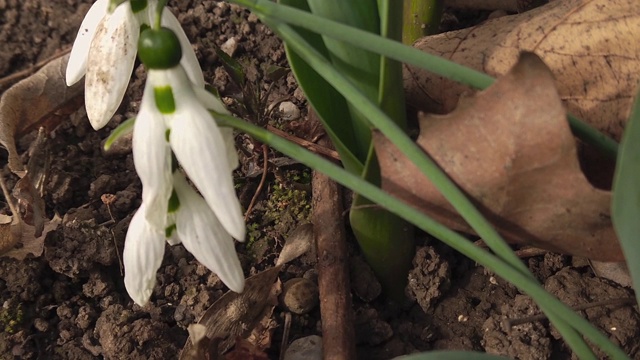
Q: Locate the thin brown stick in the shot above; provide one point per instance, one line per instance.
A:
(525, 252)
(318, 149)
(509, 323)
(108, 199)
(26, 72)
(338, 335)
(265, 166)
(285, 335)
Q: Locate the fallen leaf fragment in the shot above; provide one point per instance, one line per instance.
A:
(511, 150)
(590, 45)
(238, 315)
(24, 234)
(299, 242)
(32, 102)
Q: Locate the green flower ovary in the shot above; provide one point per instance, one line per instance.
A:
(159, 48)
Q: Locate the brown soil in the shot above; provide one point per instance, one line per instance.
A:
(70, 303)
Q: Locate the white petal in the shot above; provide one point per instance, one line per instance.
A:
(77, 65)
(111, 58)
(189, 60)
(142, 256)
(203, 235)
(152, 154)
(211, 102)
(200, 147)
(230, 145)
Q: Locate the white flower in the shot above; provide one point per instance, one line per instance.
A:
(199, 230)
(173, 117)
(105, 50)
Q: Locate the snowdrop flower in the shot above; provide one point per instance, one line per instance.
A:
(105, 50)
(174, 120)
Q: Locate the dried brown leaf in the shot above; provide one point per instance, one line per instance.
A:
(25, 234)
(590, 45)
(236, 315)
(34, 102)
(511, 150)
(298, 243)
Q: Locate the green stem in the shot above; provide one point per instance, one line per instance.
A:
(421, 18)
(159, 8)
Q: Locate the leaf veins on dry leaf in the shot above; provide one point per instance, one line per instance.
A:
(511, 150)
(42, 100)
(591, 46)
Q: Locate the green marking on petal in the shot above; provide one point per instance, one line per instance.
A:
(164, 99)
(174, 202)
(138, 5)
(168, 232)
(167, 134)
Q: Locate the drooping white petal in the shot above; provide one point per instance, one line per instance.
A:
(111, 58)
(142, 256)
(152, 153)
(199, 146)
(77, 65)
(205, 237)
(211, 102)
(189, 60)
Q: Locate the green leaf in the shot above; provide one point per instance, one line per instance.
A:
(550, 304)
(325, 100)
(626, 195)
(126, 127)
(400, 52)
(233, 68)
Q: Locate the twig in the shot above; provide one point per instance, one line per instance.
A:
(285, 335)
(265, 165)
(108, 199)
(338, 336)
(509, 323)
(319, 149)
(525, 252)
(31, 69)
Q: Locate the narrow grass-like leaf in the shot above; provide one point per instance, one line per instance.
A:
(233, 68)
(326, 101)
(550, 304)
(123, 129)
(429, 168)
(360, 66)
(626, 195)
(406, 54)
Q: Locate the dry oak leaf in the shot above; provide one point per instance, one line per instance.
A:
(511, 150)
(591, 45)
(32, 103)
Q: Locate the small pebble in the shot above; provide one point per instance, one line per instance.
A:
(300, 296)
(289, 111)
(230, 46)
(306, 348)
